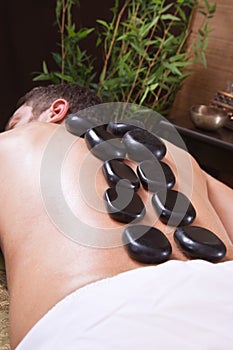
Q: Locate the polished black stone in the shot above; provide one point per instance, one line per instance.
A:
(78, 125)
(173, 207)
(155, 174)
(199, 243)
(120, 128)
(124, 205)
(117, 172)
(103, 144)
(146, 244)
(142, 145)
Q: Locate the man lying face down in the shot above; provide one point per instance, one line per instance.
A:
(72, 293)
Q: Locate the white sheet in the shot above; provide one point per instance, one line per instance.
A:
(176, 305)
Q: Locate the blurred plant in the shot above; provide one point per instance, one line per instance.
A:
(146, 55)
(75, 65)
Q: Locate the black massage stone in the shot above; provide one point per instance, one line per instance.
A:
(104, 145)
(120, 128)
(146, 244)
(173, 207)
(142, 145)
(78, 125)
(155, 174)
(117, 172)
(199, 243)
(124, 205)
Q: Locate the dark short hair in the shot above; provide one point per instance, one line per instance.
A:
(40, 98)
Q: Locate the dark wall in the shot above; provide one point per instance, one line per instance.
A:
(27, 36)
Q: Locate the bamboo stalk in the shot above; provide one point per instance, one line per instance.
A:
(140, 63)
(63, 53)
(111, 45)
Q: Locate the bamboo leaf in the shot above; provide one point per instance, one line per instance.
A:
(83, 33)
(147, 28)
(205, 43)
(103, 23)
(58, 8)
(154, 86)
(198, 45)
(65, 77)
(165, 8)
(178, 57)
(45, 69)
(203, 59)
(147, 90)
(170, 17)
(98, 42)
(57, 58)
(200, 31)
(41, 77)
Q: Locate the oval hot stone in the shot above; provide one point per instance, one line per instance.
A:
(142, 145)
(155, 174)
(104, 145)
(78, 125)
(199, 243)
(146, 244)
(173, 207)
(120, 128)
(124, 205)
(117, 172)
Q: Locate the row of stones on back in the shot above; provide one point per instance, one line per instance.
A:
(110, 143)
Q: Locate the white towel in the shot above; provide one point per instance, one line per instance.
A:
(176, 305)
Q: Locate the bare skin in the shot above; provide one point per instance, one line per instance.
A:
(43, 265)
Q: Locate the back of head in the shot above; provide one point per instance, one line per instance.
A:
(41, 97)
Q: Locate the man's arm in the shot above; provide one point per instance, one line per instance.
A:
(221, 197)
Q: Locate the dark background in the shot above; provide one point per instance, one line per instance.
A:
(27, 37)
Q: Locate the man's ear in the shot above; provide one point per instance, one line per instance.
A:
(58, 111)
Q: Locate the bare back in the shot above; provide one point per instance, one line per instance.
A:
(43, 262)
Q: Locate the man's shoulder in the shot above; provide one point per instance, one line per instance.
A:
(32, 139)
(26, 132)
(24, 138)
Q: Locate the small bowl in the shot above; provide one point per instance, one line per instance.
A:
(208, 118)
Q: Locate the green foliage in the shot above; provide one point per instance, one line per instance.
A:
(145, 55)
(74, 64)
